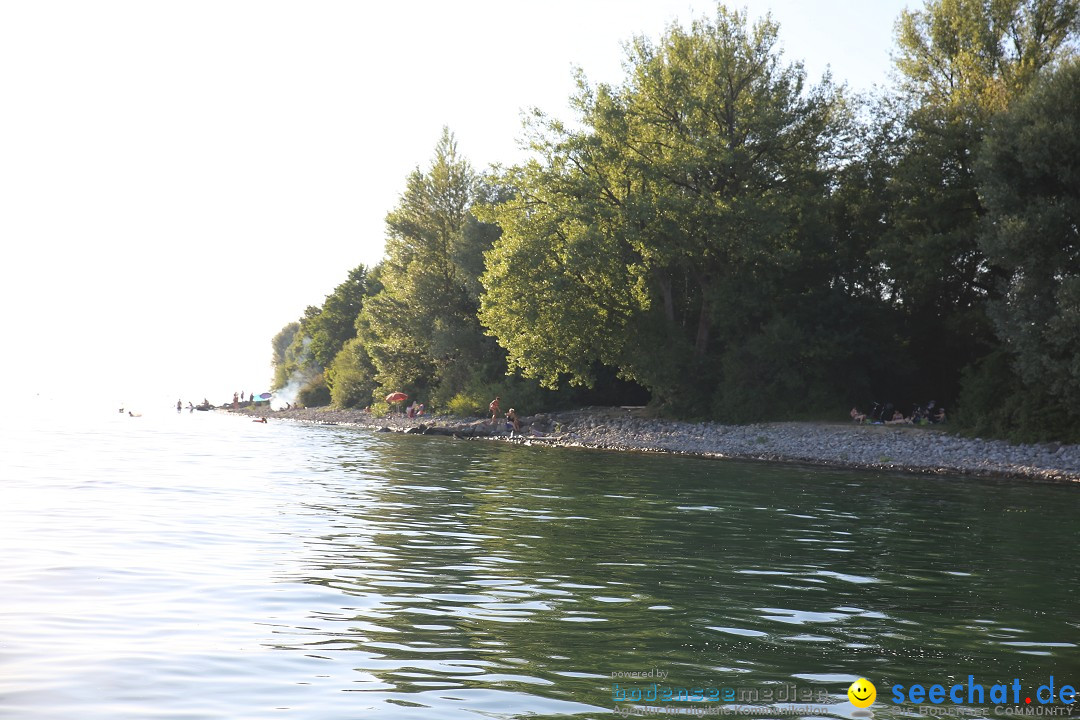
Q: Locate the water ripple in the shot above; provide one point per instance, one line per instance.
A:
(195, 566)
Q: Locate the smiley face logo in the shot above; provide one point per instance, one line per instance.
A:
(862, 693)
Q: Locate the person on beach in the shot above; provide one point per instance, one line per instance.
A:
(493, 408)
(857, 416)
(179, 406)
(898, 419)
(512, 420)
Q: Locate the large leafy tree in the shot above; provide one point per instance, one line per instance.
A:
(960, 63)
(284, 359)
(335, 322)
(304, 349)
(658, 231)
(971, 58)
(1030, 182)
(421, 332)
(351, 376)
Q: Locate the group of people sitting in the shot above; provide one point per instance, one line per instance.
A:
(930, 415)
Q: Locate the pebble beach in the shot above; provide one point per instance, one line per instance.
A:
(907, 448)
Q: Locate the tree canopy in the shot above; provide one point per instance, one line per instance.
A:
(1029, 174)
(745, 244)
(679, 214)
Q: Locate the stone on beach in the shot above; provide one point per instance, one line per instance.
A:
(893, 447)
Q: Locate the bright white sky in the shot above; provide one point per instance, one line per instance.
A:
(178, 180)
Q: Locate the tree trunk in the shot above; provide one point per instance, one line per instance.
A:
(701, 343)
(669, 301)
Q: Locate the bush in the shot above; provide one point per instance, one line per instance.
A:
(315, 393)
(467, 405)
(995, 403)
(351, 377)
(526, 396)
(779, 374)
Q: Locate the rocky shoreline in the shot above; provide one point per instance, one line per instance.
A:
(884, 447)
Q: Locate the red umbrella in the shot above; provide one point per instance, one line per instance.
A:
(396, 397)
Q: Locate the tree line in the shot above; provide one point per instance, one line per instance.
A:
(723, 237)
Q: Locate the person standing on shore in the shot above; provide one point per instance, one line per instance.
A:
(493, 407)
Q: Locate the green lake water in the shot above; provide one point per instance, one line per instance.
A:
(199, 566)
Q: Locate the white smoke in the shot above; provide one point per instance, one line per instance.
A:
(300, 377)
(287, 395)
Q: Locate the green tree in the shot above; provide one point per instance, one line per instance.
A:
(351, 376)
(335, 322)
(282, 341)
(303, 350)
(421, 332)
(970, 58)
(1029, 172)
(676, 221)
(960, 63)
(284, 364)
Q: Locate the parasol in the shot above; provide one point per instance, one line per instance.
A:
(396, 397)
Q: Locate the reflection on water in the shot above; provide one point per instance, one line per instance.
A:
(205, 567)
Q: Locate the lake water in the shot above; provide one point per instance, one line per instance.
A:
(204, 566)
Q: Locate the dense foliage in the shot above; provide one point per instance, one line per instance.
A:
(676, 232)
(739, 243)
(1029, 174)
